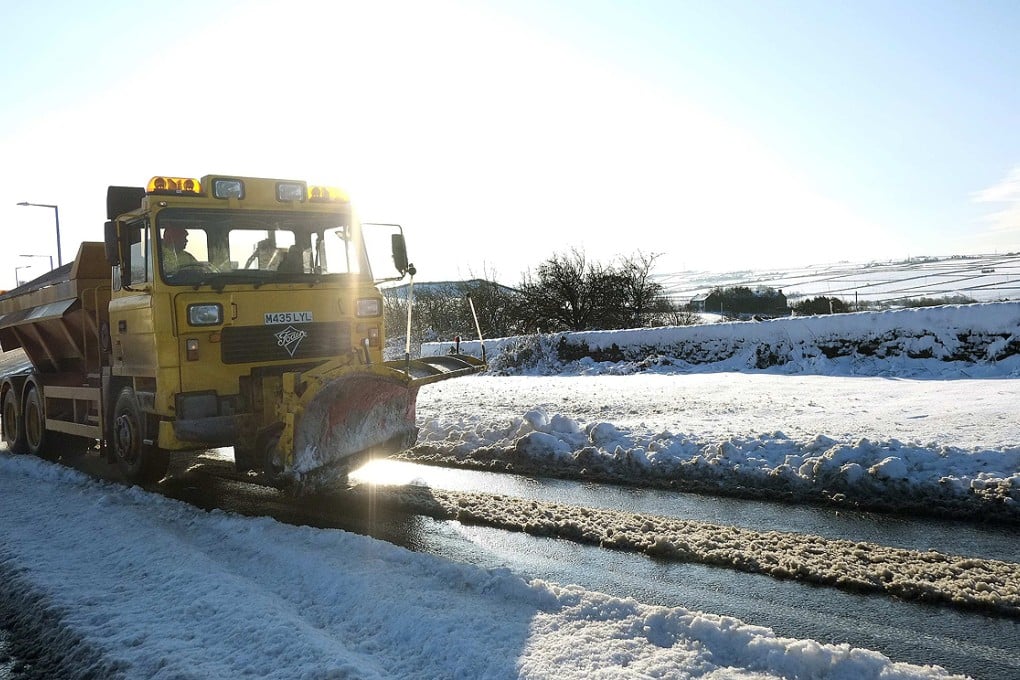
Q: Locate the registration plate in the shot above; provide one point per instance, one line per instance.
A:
(287, 317)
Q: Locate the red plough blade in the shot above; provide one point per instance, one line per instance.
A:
(353, 419)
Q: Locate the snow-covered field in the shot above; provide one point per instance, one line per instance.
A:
(983, 278)
(137, 585)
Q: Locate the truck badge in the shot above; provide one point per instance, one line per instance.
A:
(289, 338)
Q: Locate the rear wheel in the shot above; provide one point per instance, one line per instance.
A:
(140, 463)
(35, 427)
(13, 423)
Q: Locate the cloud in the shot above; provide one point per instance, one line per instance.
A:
(1004, 222)
(1005, 191)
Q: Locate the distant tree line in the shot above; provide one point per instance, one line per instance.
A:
(834, 305)
(764, 302)
(738, 301)
(820, 305)
(567, 292)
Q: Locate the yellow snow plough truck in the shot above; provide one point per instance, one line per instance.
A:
(225, 311)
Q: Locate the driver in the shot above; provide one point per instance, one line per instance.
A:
(175, 239)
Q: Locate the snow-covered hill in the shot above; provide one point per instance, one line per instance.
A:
(983, 278)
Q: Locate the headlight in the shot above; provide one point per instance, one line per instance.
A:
(369, 307)
(205, 315)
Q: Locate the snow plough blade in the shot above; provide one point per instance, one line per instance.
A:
(337, 418)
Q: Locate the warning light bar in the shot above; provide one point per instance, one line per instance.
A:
(238, 188)
(318, 194)
(174, 185)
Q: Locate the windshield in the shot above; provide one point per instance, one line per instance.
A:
(224, 246)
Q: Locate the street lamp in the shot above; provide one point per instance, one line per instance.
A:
(17, 277)
(56, 217)
(49, 256)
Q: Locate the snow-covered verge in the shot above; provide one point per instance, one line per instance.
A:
(951, 366)
(136, 585)
(978, 335)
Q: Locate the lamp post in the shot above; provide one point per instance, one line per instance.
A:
(56, 217)
(17, 276)
(49, 256)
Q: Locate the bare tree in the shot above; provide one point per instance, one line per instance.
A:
(642, 293)
(569, 292)
(560, 296)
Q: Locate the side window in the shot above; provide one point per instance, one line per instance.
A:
(139, 257)
(141, 254)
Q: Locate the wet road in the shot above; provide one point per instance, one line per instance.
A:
(7, 664)
(955, 537)
(962, 642)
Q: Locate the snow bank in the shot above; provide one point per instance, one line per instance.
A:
(969, 334)
(886, 474)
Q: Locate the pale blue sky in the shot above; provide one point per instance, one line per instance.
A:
(723, 135)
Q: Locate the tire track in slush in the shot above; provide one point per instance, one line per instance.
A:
(988, 586)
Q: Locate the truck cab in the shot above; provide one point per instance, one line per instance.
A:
(220, 286)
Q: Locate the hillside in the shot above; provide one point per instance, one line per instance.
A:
(983, 278)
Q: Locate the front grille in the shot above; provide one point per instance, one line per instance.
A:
(284, 342)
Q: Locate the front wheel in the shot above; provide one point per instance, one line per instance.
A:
(140, 463)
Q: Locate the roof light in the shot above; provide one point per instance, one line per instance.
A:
(320, 193)
(290, 191)
(174, 185)
(228, 188)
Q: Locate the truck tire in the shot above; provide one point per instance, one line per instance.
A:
(140, 463)
(13, 424)
(34, 419)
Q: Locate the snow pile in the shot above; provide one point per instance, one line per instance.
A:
(984, 335)
(137, 585)
(875, 474)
